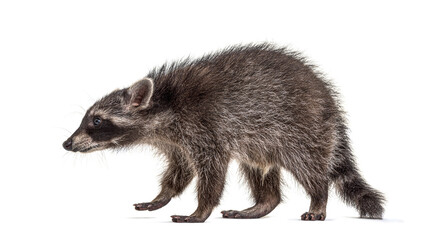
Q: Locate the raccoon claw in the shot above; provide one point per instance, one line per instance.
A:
(231, 214)
(186, 219)
(312, 217)
(142, 206)
(150, 206)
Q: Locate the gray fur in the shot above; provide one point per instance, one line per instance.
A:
(262, 105)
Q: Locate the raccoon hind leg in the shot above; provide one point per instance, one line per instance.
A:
(316, 184)
(317, 209)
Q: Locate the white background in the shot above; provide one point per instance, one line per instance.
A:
(58, 57)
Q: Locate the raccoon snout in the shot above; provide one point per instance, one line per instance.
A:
(67, 145)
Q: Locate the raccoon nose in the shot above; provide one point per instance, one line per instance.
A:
(67, 145)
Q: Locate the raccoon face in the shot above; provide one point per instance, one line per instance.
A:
(113, 121)
(96, 132)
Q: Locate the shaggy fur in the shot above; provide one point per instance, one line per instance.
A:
(261, 105)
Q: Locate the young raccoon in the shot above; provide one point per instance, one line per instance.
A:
(261, 105)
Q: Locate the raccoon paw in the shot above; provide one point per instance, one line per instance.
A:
(186, 219)
(242, 214)
(312, 216)
(232, 214)
(150, 206)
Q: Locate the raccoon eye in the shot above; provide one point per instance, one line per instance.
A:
(96, 121)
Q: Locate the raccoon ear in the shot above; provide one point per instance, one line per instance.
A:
(141, 93)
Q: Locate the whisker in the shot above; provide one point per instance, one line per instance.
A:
(74, 113)
(90, 97)
(100, 159)
(104, 160)
(82, 108)
(64, 129)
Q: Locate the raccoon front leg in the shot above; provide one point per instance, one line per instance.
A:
(265, 187)
(211, 169)
(174, 181)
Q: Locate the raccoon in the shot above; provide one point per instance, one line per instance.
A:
(262, 105)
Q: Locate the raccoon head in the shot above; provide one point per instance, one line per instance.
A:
(114, 121)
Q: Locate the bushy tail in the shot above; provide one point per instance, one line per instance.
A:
(356, 192)
(351, 186)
